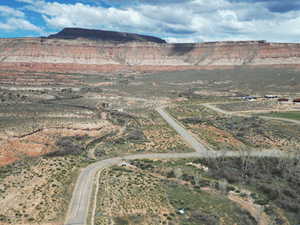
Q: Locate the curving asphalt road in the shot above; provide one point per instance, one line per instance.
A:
(80, 202)
(79, 205)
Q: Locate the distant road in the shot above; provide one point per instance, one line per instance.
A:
(280, 118)
(216, 109)
(80, 202)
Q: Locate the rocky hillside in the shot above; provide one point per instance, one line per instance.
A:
(75, 50)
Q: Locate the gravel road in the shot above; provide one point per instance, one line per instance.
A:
(216, 109)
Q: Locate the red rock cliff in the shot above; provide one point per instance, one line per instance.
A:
(83, 55)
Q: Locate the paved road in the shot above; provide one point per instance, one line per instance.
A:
(80, 202)
(78, 208)
(182, 131)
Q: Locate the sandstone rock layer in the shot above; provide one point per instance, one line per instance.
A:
(86, 56)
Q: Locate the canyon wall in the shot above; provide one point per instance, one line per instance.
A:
(86, 56)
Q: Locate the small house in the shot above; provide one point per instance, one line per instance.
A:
(271, 96)
(249, 98)
(296, 101)
(283, 100)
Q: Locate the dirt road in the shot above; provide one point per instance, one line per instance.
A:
(216, 109)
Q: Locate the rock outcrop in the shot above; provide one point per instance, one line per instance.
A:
(61, 53)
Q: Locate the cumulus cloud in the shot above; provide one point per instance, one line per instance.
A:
(275, 5)
(19, 24)
(183, 39)
(178, 21)
(62, 15)
(13, 19)
(7, 11)
(25, 1)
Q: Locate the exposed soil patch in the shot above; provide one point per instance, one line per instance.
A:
(45, 141)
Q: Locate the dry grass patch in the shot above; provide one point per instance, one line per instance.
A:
(130, 197)
(37, 190)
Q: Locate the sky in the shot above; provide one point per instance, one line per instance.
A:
(172, 20)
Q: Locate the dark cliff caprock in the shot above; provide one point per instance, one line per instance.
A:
(103, 35)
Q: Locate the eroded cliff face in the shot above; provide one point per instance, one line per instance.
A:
(82, 55)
